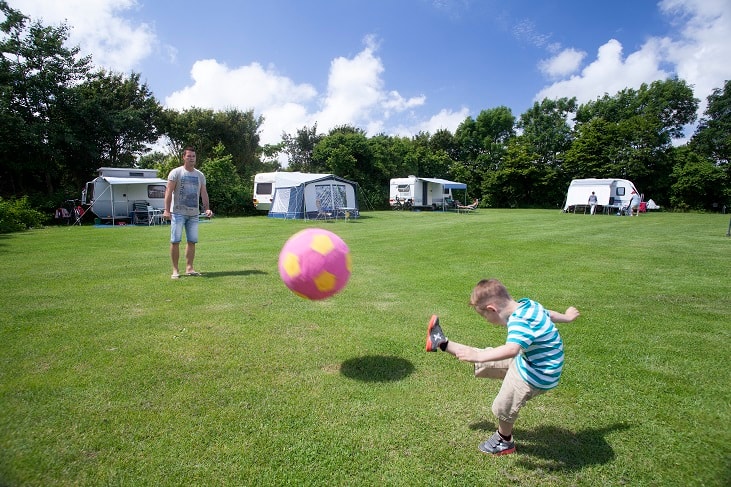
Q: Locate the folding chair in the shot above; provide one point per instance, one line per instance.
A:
(322, 212)
(141, 213)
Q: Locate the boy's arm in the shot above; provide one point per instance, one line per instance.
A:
(469, 354)
(570, 315)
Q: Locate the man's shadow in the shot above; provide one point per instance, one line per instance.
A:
(554, 448)
(233, 273)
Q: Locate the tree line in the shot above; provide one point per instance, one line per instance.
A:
(61, 119)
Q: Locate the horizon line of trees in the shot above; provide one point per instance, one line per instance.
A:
(60, 120)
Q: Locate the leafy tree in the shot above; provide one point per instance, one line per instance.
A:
(300, 147)
(444, 141)
(630, 134)
(109, 121)
(516, 180)
(36, 71)
(345, 153)
(17, 215)
(482, 143)
(226, 190)
(698, 183)
(713, 135)
(546, 129)
(204, 129)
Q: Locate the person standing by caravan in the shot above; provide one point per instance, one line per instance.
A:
(634, 204)
(592, 202)
(186, 186)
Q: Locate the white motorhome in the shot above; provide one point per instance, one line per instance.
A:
(612, 194)
(425, 193)
(112, 194)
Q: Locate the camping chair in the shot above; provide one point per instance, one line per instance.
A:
(468, 208)
(322, 212)
(141, 213)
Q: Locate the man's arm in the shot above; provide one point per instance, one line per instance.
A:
(168, 199)
(206, 203)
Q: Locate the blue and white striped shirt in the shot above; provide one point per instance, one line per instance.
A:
(541, 359)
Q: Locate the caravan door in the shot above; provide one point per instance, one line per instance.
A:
(120, 201)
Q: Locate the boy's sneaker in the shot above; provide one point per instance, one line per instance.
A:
(435, 339)
(496, 445)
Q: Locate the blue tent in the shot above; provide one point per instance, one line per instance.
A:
(304, 196)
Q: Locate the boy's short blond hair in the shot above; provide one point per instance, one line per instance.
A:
(489, 291)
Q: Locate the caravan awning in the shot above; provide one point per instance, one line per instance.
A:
(113, 180)
(446, 183)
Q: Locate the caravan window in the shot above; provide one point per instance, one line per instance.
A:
(404, 188)
(620, 190)
(263, 188)
(155, 191)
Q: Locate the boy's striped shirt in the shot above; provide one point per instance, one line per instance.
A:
(541, 360)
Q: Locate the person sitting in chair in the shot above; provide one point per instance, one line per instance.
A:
(471, 206)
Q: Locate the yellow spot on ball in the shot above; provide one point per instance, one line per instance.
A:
(322, 244)
(291, 265)
(324, 281)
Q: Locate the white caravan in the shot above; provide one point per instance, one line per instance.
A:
(113, 193)
(612, 194)
(427, 193)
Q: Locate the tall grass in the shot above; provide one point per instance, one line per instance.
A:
(111, 373)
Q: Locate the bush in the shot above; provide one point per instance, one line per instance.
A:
(17, 215)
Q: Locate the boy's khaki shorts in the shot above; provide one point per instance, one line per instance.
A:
(514, 393)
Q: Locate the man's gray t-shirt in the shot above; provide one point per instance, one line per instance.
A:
(187, 192)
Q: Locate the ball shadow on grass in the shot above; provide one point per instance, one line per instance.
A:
(376, 368)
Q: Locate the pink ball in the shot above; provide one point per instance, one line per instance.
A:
(315, 263)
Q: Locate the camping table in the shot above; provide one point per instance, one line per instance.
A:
(345, 212)
(155, 216)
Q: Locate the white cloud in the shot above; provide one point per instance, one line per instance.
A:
(97, 27)
(355, 95)
(526, 31)
(698, 54)
(701, 53)
(215, 86)
(445, 119)
(562, 64)
(610, 73)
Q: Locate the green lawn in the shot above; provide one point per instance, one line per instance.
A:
(111, 373)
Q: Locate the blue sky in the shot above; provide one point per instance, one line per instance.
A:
(394, 66)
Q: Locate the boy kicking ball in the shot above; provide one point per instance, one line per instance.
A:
(529, 363)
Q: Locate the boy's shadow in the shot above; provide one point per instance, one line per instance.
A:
(554, 448)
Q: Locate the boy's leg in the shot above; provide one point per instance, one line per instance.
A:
(436, 340)
(513, 395)
(493, 370)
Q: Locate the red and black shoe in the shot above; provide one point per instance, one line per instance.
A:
(435, 339)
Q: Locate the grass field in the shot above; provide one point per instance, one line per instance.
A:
(111, 373)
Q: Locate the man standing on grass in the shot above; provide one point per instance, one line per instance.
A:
(186, 186)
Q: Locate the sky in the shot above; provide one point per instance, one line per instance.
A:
(397, 67)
